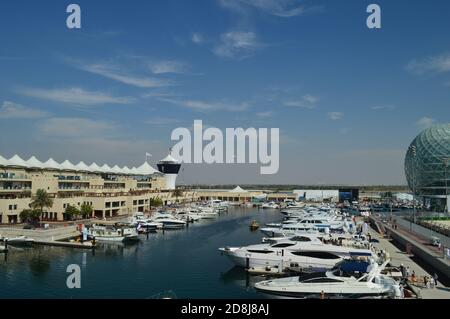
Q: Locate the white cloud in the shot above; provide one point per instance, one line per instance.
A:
(204, 106)
(11, 110)
(162, 121)
(70, 127)
(75, 96)
(264, 114)
(425, 122)
(163, 67)
(279, 8)
(197, 38)
(335, 115)
(236, 44)
(113, 73)
(307, 101)
(439, 64)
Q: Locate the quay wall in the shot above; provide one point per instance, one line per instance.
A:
(60, 233)
(438, 263)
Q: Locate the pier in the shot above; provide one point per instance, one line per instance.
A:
(417, 248)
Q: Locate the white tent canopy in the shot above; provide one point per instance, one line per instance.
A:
(238, 189)
(3, 161)
(33, 162)
(106, 169)
(67, 165)
(17, 161)
(95, 168)
(146, 169)
(81, 166)
(51, 164)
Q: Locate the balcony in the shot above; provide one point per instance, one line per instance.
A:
(15, 177)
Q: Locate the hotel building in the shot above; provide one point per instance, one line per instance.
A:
(110, 191)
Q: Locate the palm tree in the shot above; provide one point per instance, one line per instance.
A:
(177, 193)
(41, 200)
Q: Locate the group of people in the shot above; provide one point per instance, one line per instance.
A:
(428, 281)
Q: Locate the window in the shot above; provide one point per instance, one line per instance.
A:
(260, 251)
(15, 207)
(323, 280)
(316, 254)
(283, 245)
(301, 238)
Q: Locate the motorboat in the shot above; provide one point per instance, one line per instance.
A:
(112, 234)
(271, 205)
(143, 224)
(333, 283)
(168, 221)
(20, 241)
(309, 252)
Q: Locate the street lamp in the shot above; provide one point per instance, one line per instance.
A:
(446, 160)
(413, 149)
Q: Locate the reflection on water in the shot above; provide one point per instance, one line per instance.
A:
(186, 262)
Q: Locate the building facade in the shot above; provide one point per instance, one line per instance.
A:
(110, 194)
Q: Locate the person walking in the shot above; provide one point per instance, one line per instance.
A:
(435, 279)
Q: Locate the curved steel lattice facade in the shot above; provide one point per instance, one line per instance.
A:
(427, 162)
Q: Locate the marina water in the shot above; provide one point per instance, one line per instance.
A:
(182, 263)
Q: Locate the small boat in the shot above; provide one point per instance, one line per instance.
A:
(271, 205)
(106, 234)
(21, 241)
(254, 225)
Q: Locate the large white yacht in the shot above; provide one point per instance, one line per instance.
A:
(307, 252)
(168, 220)
(333, 283)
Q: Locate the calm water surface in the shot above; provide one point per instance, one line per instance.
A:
(186, 262)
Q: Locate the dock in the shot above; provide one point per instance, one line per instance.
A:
(85, 245)
(399, 257)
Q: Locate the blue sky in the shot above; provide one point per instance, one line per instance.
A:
(348, 100)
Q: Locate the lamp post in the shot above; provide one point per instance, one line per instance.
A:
(446, 160)
(414, 153)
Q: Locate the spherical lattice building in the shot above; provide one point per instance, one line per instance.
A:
(427, 164)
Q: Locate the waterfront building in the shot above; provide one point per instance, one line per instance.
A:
(426, 166)
(111, 191)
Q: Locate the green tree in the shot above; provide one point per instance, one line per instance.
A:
(40, 201)
(177, 193)
(86, 210)
(29, 216)
(71, 212)
(156, 202)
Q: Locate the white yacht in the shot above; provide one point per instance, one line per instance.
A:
(141, 223)
(308, 253)
(333, 284)
(20, 241)
(168, 221)
(271, 205)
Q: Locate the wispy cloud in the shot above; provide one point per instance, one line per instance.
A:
(335, 116)
(438, 64)
(11, 110)
(264, 115)
(425, 122)
(197, 38)
(206, 106)
(383, 107)
(76, 96)
(162, 67)
(70, 127)
(279, 8)
(116, 73)
(237, 44)
(307, 101)
(163, 121)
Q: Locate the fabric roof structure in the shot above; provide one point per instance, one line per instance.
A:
(95, 168)
(169, 159)
(51, 164)
(67, 165)
(238, 189)
(3, 161)
(17, 161)
(146, 169)
(81, 166)
(33, 162)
